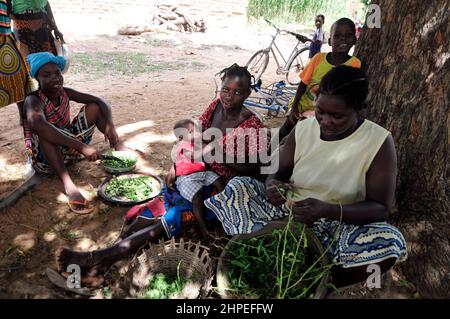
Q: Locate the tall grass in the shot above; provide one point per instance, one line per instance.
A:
(298, 11)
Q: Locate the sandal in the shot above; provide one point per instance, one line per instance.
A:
(61, 282)
(87, 281)
(80, 207)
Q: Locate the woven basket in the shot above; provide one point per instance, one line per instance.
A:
(191, 260)
(315, 247)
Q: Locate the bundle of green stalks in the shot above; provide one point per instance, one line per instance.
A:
(279, 265)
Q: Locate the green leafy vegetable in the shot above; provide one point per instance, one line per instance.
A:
(125, 162)
(162, 287)
(134, 188)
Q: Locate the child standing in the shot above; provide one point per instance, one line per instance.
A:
(342, 38)
(318, 37)
(192, 176)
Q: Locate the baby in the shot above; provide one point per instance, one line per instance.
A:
(192, 176)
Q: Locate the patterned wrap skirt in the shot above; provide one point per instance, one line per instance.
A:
(243, 207)
(15, 83)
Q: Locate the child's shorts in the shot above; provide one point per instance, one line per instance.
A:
(191, 184)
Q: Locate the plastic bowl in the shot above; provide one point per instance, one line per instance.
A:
(63, 50)
(117, 170)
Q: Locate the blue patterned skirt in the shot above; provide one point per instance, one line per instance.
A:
(243, 208)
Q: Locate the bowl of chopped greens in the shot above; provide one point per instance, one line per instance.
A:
(119, 162)
(130, 189)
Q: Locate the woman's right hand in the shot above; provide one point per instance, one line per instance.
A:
(276, 192)
(90, 153)
(170, 177)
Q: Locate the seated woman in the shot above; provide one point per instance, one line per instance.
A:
(50, 135)
(226, 115)
(338, 171)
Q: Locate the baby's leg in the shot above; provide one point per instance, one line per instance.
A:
(219, 185)
(197, 207)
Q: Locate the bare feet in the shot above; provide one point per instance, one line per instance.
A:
(65, 257)
(92, 269)
(78, 204)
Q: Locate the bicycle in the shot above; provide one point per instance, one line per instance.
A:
(296, 61)
(274, 98)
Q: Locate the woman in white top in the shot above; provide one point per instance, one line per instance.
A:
(337, 166)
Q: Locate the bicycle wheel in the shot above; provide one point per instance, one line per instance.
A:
(258, 64)
(272, 99)
(298, 64)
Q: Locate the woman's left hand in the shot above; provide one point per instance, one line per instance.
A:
(59, 35)
(309, 210)
(111, 135)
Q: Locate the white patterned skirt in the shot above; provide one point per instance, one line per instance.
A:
(191, 184)
(243, 208)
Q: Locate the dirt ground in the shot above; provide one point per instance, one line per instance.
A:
(145, 103)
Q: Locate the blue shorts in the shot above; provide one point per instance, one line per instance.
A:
(175, 205)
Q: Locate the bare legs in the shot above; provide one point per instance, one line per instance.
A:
(20, 109)
(138, 234)
(96, 262)
(198, 206)
(55, 158)
(95, 117)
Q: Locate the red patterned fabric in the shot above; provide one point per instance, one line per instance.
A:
(58, 116)
(252, 146)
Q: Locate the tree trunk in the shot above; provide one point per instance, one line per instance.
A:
(407, 61)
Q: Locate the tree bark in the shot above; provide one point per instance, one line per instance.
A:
(408, 62)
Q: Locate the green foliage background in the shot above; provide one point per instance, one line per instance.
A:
(300, 11)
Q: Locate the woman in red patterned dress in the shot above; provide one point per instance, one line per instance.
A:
(236, 131)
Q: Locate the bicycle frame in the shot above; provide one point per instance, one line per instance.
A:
(282, 69)
(267, 97)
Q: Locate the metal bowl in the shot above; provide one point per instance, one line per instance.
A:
(123, 201)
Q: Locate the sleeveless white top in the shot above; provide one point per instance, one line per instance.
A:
(334, 171)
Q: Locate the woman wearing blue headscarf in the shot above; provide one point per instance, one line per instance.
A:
(51, 136)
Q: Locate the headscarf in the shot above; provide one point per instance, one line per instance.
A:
(38, 60)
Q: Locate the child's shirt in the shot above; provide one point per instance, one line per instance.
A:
(313, 73)
(184, 164)
(314, 48)
(319, 34)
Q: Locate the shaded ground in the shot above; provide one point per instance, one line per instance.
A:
(151, 82)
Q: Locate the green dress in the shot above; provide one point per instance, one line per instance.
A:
(21, 6)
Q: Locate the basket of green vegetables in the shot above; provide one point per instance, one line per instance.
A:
(283, 260)
(130, 189)
(168, 270)
(119, 162)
